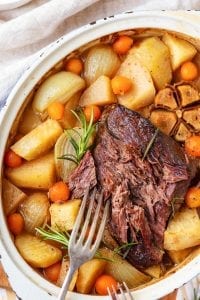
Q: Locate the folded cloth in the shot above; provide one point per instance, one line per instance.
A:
(26, 30)
(22, 37)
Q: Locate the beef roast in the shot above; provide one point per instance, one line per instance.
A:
(141, 190)
(78, 184)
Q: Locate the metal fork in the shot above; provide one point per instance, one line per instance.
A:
(82, 246)
(124, 295)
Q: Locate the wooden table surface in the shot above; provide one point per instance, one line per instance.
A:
(4, 283)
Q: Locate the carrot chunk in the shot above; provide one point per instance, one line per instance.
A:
(15, 223)
(88, 110)
(189, 71)
(192, 198)
(12, 160)
(123, 44)
(74, 65)
(103, 283)
(59, 192)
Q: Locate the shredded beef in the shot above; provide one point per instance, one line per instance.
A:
(78, 184)
(141, 190)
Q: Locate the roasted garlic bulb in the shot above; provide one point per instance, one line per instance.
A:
(176, 110)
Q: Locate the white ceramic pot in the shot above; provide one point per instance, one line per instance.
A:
(27, 283)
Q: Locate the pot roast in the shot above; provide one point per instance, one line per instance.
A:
(143, 191)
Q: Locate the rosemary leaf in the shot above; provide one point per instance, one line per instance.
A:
(74, 143)
(126, 253)
(126, 246)
(99, 256)
(54, 235)
(91, 120)
(83, 121)
(77, 116)
(89, 134)
(70, 157)
(150, 144)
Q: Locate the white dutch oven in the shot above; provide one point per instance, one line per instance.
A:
(27, 283)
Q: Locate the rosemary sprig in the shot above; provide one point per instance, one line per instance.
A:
(82, 144)
(61, 237)
(126, 246)
(150, 144)
(99, 256)
(70, 157)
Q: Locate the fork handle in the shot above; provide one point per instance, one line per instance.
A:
(67, 282)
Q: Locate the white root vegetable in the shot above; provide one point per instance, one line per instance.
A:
(69, 120)
(180, 50)
(122, 270)
(101, 60)
(98, 93)
(88, 274)
(178, 256)
(63, 215)
(58, 87)
(183, 230)
(35, 211)
(63, 272)
(142, 92)
(154, 271)
(29, 120)
(39, 140)
(12, 196)
(37, 252)
(155, 56)
(39, 173)
(63, 147)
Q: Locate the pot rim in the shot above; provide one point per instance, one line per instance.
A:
(174, 21)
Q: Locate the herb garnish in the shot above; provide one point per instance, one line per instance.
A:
(126, 246)
(99, 256)
(150, 144)
(82, 145)
(62, 237)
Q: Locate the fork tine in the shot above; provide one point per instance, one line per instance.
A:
(122, 296)
(81, 252)
(87, 219)
(78, 219)
(101, 228)
(94, 224)
(109, 293)
(113, 294)
(127, 290)
(122, 292)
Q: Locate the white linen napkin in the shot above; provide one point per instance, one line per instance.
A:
(24, 31)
